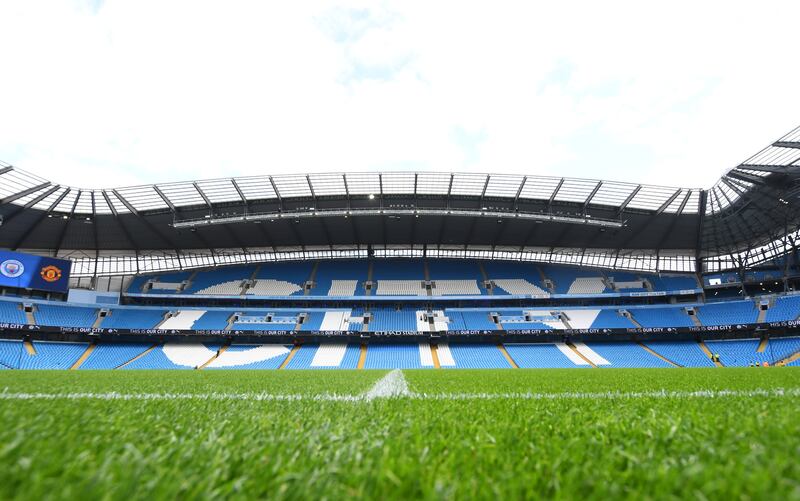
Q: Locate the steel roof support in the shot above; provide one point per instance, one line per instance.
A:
(277, 194)
(698, 241)
(7, 168)
(633, 194)
(165, 199)
(205, 198)
(519, 192)
(38, 221)
(553, 195)
(591, 196)
(170, 244)
(122, 226)
(239, 191)
(20, 209)
(668, 202)
(746, 177)
(66, 224)
(24, 193)
(787, 144)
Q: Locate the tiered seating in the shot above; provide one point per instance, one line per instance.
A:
(477, 356)
(454, 269)
(456, 288)
(163, 283)
(356, 320)
(281, 279)
(611, 319)
(738, 352)
(11, 313)
(393, 356)
(313, 321)
(455, 320)
(388, 319)
(785, 308)
(780, 348)
(182, 320)
(212, 320)
(52, 355)
(519, 287)
(683, 353)
(221, 281)
(326, 356)
(175, 356)
(72, 316)
(539, 320)
(540, 356)
(738, 312)
(271, 287)
(478, 320)
(341, 278)
(10, 353)
(111, 356)
(587, 285)
(672, 282)
(133, 318)
(563, 277)
(668, 316)
(280, 321)
(623, 354)
(400, 288)
(513, 270)
(250, 356)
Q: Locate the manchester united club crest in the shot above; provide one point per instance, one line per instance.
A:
(50, 273)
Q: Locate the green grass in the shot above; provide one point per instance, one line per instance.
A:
(732, 446)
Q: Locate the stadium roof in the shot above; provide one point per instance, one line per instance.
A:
(748, 206)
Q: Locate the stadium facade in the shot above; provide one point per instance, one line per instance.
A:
(403, 270)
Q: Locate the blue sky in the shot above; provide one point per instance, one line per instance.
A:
(103, 94)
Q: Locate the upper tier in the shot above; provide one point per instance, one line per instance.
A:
(397, 278)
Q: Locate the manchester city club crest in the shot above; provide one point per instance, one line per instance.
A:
(12, 268)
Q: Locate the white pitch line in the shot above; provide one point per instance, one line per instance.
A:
(390, 385)
(405, 394)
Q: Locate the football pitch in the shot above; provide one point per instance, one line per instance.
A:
(619, 433)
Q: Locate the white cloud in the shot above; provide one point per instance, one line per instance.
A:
(137, 92)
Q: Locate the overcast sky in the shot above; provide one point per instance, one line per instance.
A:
(104, 94)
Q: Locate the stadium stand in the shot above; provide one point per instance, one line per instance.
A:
(542, 356)
(52, 355)
(611, 319)
(111, 356)
(784, 309)
(325, 356)
(11, 312)
(133, 318)
(668, 316)
(61, 315)
(477, 356)
(10, 353)
(341, 278)
(393, 356)
(683, 353)
(738, 352)
(735, 312)
(622, 354)
(243, 356)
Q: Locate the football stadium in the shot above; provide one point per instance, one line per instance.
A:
(402, 335)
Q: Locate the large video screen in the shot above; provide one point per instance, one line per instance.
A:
(27, 271)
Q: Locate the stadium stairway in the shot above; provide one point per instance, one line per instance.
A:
(709, 354)
(29, 348)
(289, 357)
(137, 357)
(762, 345)
(507, 356)
(216, 356)
(435, 356)
(82, 359)
(648, 350)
